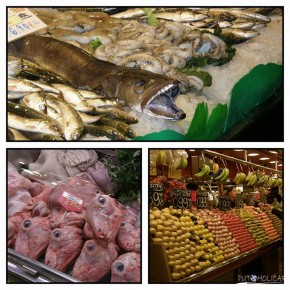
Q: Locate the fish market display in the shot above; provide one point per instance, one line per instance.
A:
(131, 73)
(71, 224)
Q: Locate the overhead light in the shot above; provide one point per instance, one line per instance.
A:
(191, 150)
(253, 154)
(239, 149)
(273, 152)
(273, 161)
(264, 158)
(280, 164)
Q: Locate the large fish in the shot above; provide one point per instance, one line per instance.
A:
(141, 90)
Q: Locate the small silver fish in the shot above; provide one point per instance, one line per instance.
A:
(22, 86)
(73, 97)
(32, 125)
(72, 124)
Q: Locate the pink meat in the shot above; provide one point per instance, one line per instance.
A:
(126, 268)
(77, 186)
(128, 237)
(104, 217)
(64, 247)
(40, 208)
(61, 218)
(18, 191)
(95, 260)
(43, 192)
(130, 215)
(101, 176)
(33, 237)
(13, 226)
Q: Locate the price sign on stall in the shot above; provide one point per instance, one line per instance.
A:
(201, 199)
(239, 201)
(21, 21)
(156, 195)
(181, 198)
(224, 203)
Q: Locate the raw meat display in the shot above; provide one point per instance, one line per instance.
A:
(69, 223)
(126, 268)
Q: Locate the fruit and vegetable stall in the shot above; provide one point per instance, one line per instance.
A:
(125, 73)
(199, 232)
(74, 216)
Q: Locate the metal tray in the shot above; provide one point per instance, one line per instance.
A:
(28, 270)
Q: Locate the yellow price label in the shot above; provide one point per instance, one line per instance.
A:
(14, 20)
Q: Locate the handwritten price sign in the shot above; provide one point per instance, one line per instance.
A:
(21, 21)
(181, 198)
(156, 195)
(71, 202)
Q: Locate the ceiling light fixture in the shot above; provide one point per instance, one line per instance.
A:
(253, 154)
(264, 158)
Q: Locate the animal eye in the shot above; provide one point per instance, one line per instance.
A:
(123, 224)
(27, 223)
(90, 247)
(101, 200)
(139, 86)
(57, 233)
(120, 267)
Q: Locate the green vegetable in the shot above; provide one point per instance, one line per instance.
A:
(152, 20)
(204, 127)
(94, 44)
(252, 90)
(126, 174)
(203, 75)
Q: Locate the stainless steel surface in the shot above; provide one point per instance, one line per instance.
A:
(33, 271)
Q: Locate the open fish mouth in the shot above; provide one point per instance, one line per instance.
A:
(162, 104)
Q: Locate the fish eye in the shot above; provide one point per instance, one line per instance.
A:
(27, 223)
(90, 247)
(101, 200)
(123, 224)
(57, 233)
(120, 267)
(139, 86)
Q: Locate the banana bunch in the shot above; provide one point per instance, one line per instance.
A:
(240, 178)
(222, 174)
(273, 182)
(161, 157)
(263, 180)
(182, 162)
(253, 179)
(204, 171)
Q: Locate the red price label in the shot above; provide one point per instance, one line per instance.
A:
(71, 202)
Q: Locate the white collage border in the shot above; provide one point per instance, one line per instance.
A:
(144, 145)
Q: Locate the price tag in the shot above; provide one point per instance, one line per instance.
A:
(181, 198)
(201, 199)
(224, 203)
(71, 202)
(21, 21)
(156, 195)
(239, 201)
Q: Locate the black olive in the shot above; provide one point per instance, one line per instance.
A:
(27, 223)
